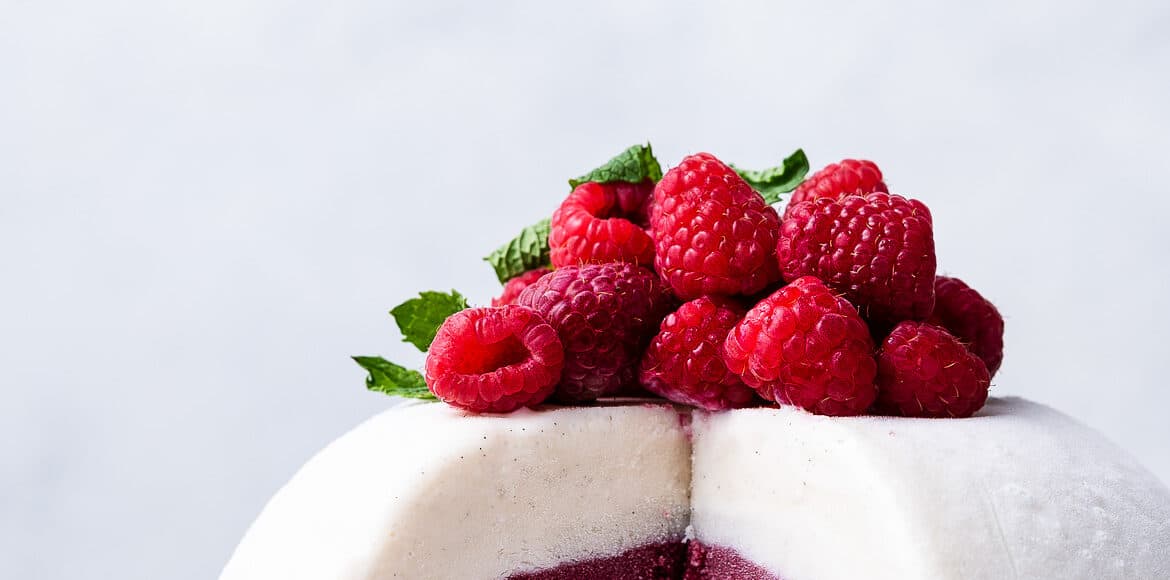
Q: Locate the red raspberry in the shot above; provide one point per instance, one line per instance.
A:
(876, 249)
(605, 315)
(635, 201)
(971, 318)
(685, 362)
(713, 234)
(513, 287)
(836, 180)
(598, 223)
(808, 347)
(923, 371)
(494, 360)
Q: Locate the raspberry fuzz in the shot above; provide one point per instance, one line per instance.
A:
(605, 314)
(602, 223)
(836, 180)
(805, 346)
(513, 287)
(713, 234)
(924, 371)
(494, 360)
(971, 318)
(684, 362)
(877, 249)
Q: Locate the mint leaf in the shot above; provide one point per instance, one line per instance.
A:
(419, 318)
(634, 165)
(522, 253)
(774, 181)
(387, 377)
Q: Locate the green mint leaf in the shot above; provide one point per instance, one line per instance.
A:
(387, 377)
(522, 253)
(419, 318)
(774, 181)
(634, 165)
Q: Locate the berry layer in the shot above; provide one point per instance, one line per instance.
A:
(662, 561)
(719, 563)
(429, 492)
(1018, 491)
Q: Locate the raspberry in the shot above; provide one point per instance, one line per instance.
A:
(876, 249)
(713, 234)
(924, 371)
(685, 363)
(605, 314)
(494, 360)
(598, 223)
(805, 346)
(836, 180)
(635, 201)
(971, 318)
(513, 287)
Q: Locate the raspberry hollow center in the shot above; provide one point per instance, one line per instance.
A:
(488, 357)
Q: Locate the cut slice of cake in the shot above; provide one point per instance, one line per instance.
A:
(430, 492)
(1018, 491)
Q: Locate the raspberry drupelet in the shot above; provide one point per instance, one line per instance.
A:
(494, 360)
(602, 223)
(513, 287)
(876, 249)
(684, 362)
(969, 316)
(713, 233)
(805, 346)
(605, 315)
(924, 371)
(836, 180)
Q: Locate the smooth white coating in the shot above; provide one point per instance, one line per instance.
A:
(426, 492)
(1019, 491)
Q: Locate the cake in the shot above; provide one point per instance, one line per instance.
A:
(676, 383)
(1017, 491)
(424, 491)
(427, 491)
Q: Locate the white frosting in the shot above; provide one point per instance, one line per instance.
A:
(1019, 491)
(426, 491)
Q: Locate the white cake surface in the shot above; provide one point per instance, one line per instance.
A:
(1018, 491)
(426, 491)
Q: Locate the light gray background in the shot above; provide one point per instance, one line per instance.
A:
(205, 207)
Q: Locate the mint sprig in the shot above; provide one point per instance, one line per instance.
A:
(634, 165)
(529, 250)
(525, 252)
(387, 377)
(419, 318)
(774, 181)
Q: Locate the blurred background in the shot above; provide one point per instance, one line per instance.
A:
(206, 207)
